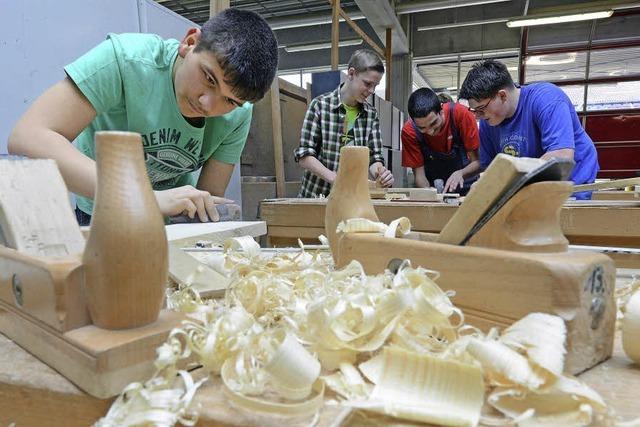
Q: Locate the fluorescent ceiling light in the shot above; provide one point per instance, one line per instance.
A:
(554, 59)
(532, 20)
(318, 46)
(462, 24)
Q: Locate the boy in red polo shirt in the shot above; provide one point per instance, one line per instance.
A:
(436, 147)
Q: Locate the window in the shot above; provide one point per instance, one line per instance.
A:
(556, 67)
(613, 96)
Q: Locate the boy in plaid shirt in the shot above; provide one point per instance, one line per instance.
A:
(338, 118)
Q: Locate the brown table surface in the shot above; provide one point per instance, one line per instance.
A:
(32, 394)
(597, 223)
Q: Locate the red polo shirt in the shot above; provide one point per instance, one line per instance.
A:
(442, 142)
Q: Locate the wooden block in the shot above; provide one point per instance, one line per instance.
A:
(35, 214)
(378, 193)
(500, 174)
(99, 361)
(50, 290)
(423, 194)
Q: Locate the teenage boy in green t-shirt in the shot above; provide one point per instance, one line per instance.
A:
(189, 100)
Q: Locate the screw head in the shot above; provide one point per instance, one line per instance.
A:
(16, 286)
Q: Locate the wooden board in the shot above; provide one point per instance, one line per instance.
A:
(614, 195)
(99, 361)
(44, 225)
(183, 268)
(217, 232)
(601, 185)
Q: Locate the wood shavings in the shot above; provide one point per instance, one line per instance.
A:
(290, 324)
(631, 327)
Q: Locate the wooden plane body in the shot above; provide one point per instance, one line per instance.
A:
(504, 257)
(43, 309)
(43, 287)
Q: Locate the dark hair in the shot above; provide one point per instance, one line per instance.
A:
(246, 49)
(364, 60)
(422, 102)
(485, 79)
(444, 97)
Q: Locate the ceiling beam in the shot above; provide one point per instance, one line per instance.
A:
(425, 6)
(308, 19)
(418, 78)
(217, 6)
(381, 16)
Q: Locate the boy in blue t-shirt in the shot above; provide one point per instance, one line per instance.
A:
(536, 120)
(189, 100)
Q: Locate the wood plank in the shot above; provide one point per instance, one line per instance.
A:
(217, 6)
(335, 34)
(389, 62)
(603, 203)
(43, 225)
(615, 183)
(292, 90)
(217, 232)
(614, 195)
(276, 130)
(99, 361)
(362, 34)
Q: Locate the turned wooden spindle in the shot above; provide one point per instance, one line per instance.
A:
(125, 258)
(349, 197)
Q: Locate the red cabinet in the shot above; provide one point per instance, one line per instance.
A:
(616, 135)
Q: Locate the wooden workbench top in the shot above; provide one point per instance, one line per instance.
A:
(32, 394)
(584, 223)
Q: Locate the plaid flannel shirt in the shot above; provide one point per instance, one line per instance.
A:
(321, 137)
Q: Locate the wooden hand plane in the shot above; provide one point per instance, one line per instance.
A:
(503, 252)
(44, 291)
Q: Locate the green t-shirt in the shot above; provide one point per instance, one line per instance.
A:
(352, 113)
(129, 81)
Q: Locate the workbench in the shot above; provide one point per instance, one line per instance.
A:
(32, 394)
(596, 223)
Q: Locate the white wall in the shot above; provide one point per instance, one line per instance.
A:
(39, 37)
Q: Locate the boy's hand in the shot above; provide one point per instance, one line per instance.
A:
(456, 180)
(189, 201)
(382, 175)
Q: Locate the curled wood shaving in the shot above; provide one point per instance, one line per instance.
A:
(631, 327)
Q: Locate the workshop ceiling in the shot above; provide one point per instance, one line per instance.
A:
(274, 11)
(439, 32)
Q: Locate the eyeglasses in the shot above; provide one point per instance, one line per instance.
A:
(481, 108)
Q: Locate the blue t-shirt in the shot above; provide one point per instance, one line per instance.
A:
(545, 120)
